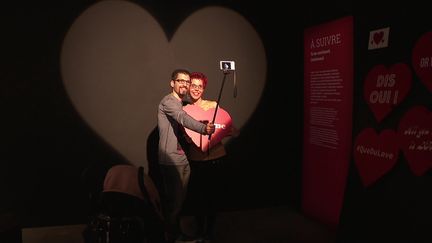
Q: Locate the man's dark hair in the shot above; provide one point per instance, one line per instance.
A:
(177, 71)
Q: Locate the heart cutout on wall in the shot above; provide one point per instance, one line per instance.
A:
(422, 59)
(222, 123)
(385, 88)
(415, 135)
(375, 155)
(116, 65)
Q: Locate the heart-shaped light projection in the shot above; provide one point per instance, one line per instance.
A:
(116, 63)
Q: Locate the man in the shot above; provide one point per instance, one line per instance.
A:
(173, 162)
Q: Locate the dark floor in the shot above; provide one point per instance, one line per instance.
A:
(264, 225)
(269, 225)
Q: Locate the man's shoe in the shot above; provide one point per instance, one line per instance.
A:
(186, 239)
(203, 240)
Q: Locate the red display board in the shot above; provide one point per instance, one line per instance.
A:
(328, 101)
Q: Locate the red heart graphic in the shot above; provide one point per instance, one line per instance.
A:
(415, 134)
(422, 59)
(385, 88)
(375, 155)
(377, 37)
(222, 123)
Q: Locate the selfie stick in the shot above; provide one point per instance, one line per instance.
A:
(225, 71)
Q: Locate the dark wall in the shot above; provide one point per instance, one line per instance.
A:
(396, 208)
(46, 146)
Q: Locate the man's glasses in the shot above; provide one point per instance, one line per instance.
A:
(198, 87)
(183, 81)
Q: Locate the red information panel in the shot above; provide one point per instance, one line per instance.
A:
(328, 100)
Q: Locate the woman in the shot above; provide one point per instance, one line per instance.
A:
(206, 167)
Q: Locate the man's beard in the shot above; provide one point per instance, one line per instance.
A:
(186, 99)
(182, 92)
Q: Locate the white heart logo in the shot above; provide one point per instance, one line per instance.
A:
(116, 63)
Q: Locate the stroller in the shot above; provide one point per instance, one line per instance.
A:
(127, 210)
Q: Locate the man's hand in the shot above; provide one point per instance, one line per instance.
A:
(210, 128)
